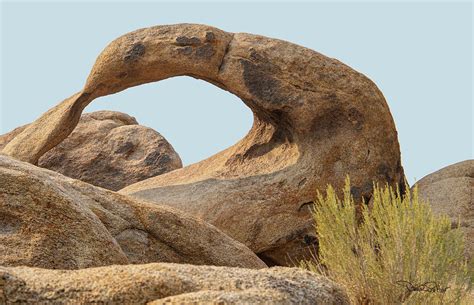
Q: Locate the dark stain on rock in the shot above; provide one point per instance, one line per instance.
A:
(137, 51)
(165, 159)
(186, 41)
(356, 118)
(384, 170)
(258, 75)
(210, 37)
(328, 124)
(206, 51)
(122, 75)
(255, 56)
(185, 50)
(261, 84)
(9, 224)
(157, 158)
(263, 62)
(124, 148)
(363, 192)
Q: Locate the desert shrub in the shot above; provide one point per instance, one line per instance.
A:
(395, 252)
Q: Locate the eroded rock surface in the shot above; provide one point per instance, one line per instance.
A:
(168, 284)
(108, 149)
(51, 221)
(316, 120)
(450, 191)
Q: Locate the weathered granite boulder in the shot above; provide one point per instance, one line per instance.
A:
(108, 149)
(168, 284)
(51, 221)
(450, 191)
(315, 121)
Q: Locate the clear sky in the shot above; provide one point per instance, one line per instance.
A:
(419, 55)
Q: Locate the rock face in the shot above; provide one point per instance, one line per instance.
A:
(450, 191)
(48, 220)
(315, 121)
(108, 149)
(168, 284)
(6, 138)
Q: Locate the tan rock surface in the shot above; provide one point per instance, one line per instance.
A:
(48, 220)
(450, 191)
(315, 120)
(168, 284)
(7, 137)
(108, 149)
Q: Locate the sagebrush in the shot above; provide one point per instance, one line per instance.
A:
(396, 251)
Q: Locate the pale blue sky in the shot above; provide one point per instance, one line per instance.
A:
(419, 54)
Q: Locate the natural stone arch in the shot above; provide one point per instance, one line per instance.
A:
(316, 120)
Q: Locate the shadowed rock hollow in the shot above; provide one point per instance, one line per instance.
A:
(315, 121)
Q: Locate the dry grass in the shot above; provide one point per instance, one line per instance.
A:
(399, 253)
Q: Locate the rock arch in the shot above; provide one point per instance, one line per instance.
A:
(315, 120)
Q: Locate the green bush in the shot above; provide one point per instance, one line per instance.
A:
(395, 252)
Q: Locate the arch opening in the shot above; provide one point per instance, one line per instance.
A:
(197, 118)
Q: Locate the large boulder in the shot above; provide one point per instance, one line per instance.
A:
(51, 221)
(315, 121)
(108, 149)
(450, 191)
(168, 284)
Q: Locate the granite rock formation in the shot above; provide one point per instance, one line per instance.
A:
(315, 121)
